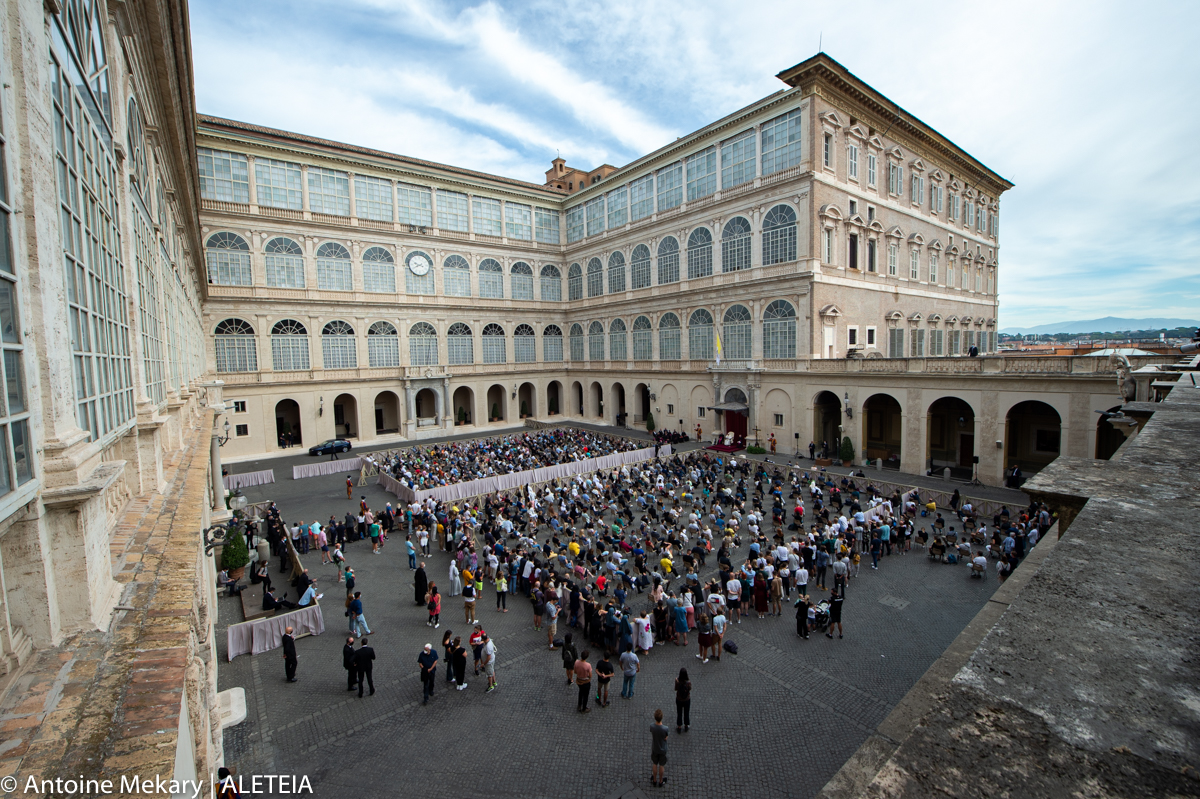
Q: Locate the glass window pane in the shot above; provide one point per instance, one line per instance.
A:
(14, 382)
(5, 481)
(5, 242)
(8, 313)
(20, 437)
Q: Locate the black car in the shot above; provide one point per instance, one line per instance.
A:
(332, 445)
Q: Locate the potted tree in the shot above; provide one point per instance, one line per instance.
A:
(649, 421)
(234, 554)
(847, 452)
(524, 409)
(554, 406)
(495, 412)
(462, 416)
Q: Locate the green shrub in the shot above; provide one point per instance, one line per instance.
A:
(495, 410)
(847, 451)
(554, 405)
(753, 450)
(649, 422)
(524, 408)
(462, 415)
(234, 554)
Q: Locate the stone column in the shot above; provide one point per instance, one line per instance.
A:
(253, 183)
(915, 423)
(304, 190)
(447, 418)
(353, 203)
(411, 416)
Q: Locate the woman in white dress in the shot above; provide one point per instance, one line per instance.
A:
(643, 641)
(455, 580)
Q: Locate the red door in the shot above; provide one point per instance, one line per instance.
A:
(735, 422)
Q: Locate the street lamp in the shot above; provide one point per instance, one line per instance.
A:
(222, 440)
(237, 501)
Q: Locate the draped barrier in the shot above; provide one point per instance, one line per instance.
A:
(326, 468)
(263, 635)
(247, 479)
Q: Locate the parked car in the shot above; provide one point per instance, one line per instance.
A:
(332, 445)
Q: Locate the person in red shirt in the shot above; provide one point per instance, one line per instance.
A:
(601, 582)
(476, 640)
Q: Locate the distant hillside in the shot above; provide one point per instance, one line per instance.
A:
(1109, 324)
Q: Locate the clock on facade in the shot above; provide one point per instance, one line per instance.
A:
(418, 264)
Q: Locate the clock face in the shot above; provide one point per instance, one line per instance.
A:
(418, 265)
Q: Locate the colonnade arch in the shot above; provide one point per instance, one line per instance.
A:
(463, 405)
(497, 403)
(345, 416)
(950, 422)
(882, 429)
(387, 413)
(1033, 430)
(527, 400)
(827, 423)
(288, 431)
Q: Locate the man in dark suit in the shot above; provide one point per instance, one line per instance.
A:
(289, 655)
(271, 603)
(349, 665)
(364, 661)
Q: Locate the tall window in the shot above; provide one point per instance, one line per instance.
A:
(576, 342)
(618, 208)
(285, 264)
(551, 280)
(936, 339)
(518, 222)
(978, 280)
(827, 245)
(595, 216)
(617, 340)
(893, 257)
(670, 186)
(521, 280)
(235, 345)
(827, 156)
(279, 184)
(373, 198)
(460, 345)
(937, 197)
(699, 254)
(494, 350)
(991, 281)
(781, 143)
(702, 174)
(575, 224)
(916, 189)
(228, 257)
(422, 345)
(379, 271)
(872, 246)
(735, 245)
(223, 176)
(737, 160)
(485, 214)
(289, 346)
(547, 225)
(328, 191)
(871, 164)
(640, 267)
(953, 346)
(916, 342)
(853, 254)
(491, 279)
(933, 267)
(700, 335)
(616, 273)
(414, 205)
(643, 343)
(896, 343)
(641, 198)
(953, 206)
(739, 334)
(575, 282)
(596, 342)
(452, 211)
(668, 338)
(950, 274)
(668, 261)
(337, 346)
(524, 345)
(779, 330)
(852, 160)
(914, 265)
(779, 235)
(895, 179)
(456, 277)
(383, 345)
(595, 278)
(552, 344)
(334, 272)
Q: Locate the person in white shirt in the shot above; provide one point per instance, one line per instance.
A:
(733, 595)
(979, 565)
(802, 580)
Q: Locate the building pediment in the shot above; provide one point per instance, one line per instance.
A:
(952, 320)
(917, 165)
(966, 320)
(894, 316)
(954, 184)
(830, 212)
(937, 175)
(830, 311)
(857, 132)
(876, 226)
(875, 142)
(831, 119)
(916, 238)
(935, 318)
(896, 232)
(896, 153)
(936, 244)
(915, 317)
(856, 220)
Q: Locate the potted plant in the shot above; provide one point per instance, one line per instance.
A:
(234, 555)
(649, 422)
(495, 412)
(847, 452)
(553, 406)
(462, 416)
(524, 409)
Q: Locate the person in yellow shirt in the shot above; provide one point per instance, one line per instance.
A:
(574, 548)
(667, 565)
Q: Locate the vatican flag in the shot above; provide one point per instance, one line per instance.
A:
(718, 335)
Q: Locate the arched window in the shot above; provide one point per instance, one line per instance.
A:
(494, 350)
(137, 150)
(668, 261)
(524, 344)
(285, 264)
(289, 346)
(616, 273)
(643, 343)
(668, 337)
(735, 245)
(595, 342)
(575, 282)
(337, 346)
(617, 348)
(334, 272)
(460, 345)
(521, 277)
(228, 258)
(236, 350)
(456, 276)
(640, 267)
(418, 274)
(551, 283)
(491, 279)
(379, 271)
(699, 253)
(779, 330)
(779, 235)
(422, 345)
(595, 278)
(738, 334)
(700, 335)
(576, 342)
(552, 349)
(383, 345)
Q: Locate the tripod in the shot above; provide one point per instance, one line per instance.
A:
(975, 481)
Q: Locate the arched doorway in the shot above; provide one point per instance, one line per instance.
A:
(426, 407)
(496, 405)
(287, 424)
(554, 398)
(527, 400)
(597, 401)
(951, 426)
(387, 413)
(464, 406)
(1108, 438)
(577, 389)
(641, 403)
(827, 423)
(618, 394)
(345, 416)
(882, 422)
(1033, 431)
(735, 420)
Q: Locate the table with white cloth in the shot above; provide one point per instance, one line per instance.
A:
(324, 468)
(263, 635)
(249, 479)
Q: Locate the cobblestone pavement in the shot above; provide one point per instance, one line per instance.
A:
(777, 719)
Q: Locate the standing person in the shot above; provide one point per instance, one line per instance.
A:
(427, 661)
(630, 666)
(812, 450)
(364, 663)
(469, 602)
(489, 663)
(348, 664)
(658, 750)
(718, 633)
(289, 656)
(802, 616)
(683, 701)
(644, 639)
(583, 679)
(501, 592)
(433, 602)
(551, 619)
(776, 595)
(604, 673)
(349, 487)
(569, 656)
(841, 568)
(420, 585)
(703, 635)
(835, 614)
(358, 622)
(458, 662)
(374, 529)
(476, 642)
(876, 546)
(733, 598)
(412, 553)
(323, 543)
(802, 580)
(339, 560)
(681, 625)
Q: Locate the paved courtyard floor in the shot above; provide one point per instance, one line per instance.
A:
(776, 720)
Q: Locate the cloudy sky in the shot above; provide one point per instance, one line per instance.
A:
(1091, 108)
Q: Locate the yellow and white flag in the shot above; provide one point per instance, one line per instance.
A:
(718, 335)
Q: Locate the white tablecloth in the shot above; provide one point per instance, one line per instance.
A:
(263, 635)
(323, 468)
(247, 479)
